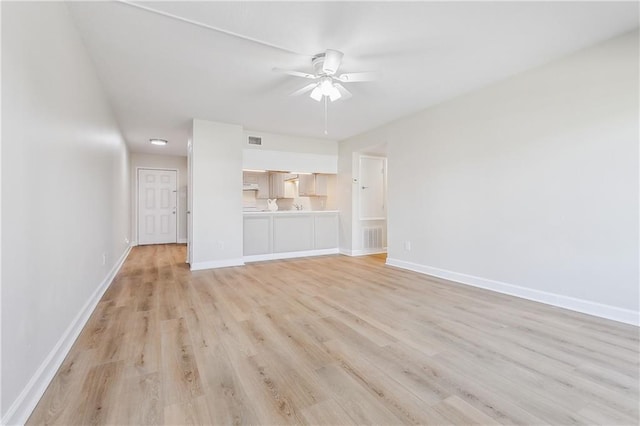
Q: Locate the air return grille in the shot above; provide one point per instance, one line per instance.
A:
(372, 238)
(255, 140)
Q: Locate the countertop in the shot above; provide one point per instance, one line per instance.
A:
(290, 212)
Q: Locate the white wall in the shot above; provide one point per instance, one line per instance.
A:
(216, 175)
(290, 143)
(65, 196)
(528, 186)
(179, 163)
(289, 153)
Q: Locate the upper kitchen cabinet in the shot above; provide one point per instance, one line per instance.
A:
(306, 185)
(258, 181)
(322, 184)
(314, 185)
(280, 186)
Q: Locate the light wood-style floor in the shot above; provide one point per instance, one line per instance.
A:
(334, 340)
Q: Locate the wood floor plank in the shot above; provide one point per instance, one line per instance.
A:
(100, 392)
(60, 403)
(142, 343)
(180, 374)
(334, 340)
(359, 404)
(327, 412)
(142, 401)
(224, 394)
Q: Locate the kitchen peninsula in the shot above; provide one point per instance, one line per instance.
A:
(305, 224)
(287, 234)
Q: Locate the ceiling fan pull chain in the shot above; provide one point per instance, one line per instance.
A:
(325, 116)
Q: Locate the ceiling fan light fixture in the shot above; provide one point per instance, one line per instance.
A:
(334, 94)
(326, 86)
(317, 94)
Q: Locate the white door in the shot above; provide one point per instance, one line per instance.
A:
(157, 199)
(372, 188)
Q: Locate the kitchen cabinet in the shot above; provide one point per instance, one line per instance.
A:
(279, 187)
(312, 185)
(258, 178)
(325, 231)
(257, 235)
(292, 232)
(306, 185)
(263, 186)
(285, 234)
(322, 182)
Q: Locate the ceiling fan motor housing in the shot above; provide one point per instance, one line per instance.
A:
(327, 63)
(318, 61)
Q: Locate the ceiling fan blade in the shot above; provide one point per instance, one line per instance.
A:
(332, 60)
(344, 92)
(354, 77)
(295, 73)
(304, 90)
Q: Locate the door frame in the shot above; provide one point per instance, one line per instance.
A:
(137, 198)
(189, 202)
(384, 186)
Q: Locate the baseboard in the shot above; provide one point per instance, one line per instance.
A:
(182, 241)
(626, 316)
(213, 264)
(362, 252)
(290, 255)
(26, 402)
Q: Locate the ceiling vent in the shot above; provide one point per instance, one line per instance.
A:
(255, 140)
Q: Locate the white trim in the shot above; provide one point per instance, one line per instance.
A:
(213, 264)
(182, 241)
(26, 402)
(626, 316)
(362, 252)
(290, 255)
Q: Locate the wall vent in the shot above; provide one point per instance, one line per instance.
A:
(372, 238)
(255, 140)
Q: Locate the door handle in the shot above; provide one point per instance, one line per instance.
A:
(365, 187)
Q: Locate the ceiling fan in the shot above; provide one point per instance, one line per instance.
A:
(326, 83)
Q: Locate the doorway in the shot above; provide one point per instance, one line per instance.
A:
(157, 206)
(372, 188)
(370, 216)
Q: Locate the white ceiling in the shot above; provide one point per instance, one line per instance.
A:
(160, 72)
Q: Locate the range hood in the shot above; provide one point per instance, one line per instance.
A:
(250, 187)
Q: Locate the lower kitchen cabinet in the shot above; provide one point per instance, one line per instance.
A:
(292, 232)
(326, 231)
(289, 234)
(257, 235)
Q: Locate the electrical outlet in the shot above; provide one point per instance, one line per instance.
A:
(220, 245)
(407, 245)
(104, 259)
(126, 240)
